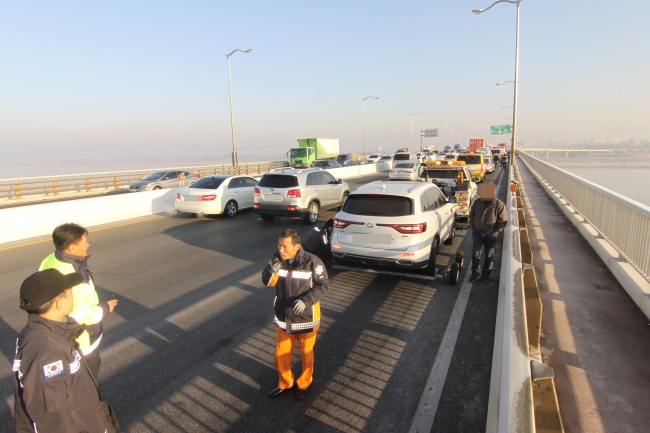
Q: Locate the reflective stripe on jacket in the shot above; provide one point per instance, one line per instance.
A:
(86, 309)
(305, 279)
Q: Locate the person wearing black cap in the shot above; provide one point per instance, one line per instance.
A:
(318, 241)
(54, 388)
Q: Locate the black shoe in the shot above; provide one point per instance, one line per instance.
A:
(475, 277)
(277, 391)
(485, 277)
(302, 393)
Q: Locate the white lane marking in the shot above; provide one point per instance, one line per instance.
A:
(428, 406)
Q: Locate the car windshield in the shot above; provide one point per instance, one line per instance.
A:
(404, 165)
(211, 182)
(320, 164)
(156, 175)
(386, 157)
(378, 205)
(402, 156)
(278, 181)
(298, 152)
(471, 159)
(341, 159)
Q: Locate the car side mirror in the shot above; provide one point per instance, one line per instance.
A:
(476, 179)
(339, 181)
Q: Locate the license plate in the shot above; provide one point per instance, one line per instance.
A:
(273, 198)
(371, 239)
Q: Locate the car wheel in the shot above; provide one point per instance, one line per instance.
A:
(431, 267)
(312, 213)
(452, 235)
(231, 209)
(454, 271)
(345, 197)
(156, 187)
(267, 217)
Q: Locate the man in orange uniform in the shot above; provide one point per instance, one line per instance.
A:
(300, 282)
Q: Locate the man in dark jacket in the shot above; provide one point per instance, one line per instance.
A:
(487, 218)
(300, 282)
(54, 389)
(318, 241)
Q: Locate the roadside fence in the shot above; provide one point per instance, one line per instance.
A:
(18, 188)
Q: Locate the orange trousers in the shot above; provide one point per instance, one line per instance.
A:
(284, 347)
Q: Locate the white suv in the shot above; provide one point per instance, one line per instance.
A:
(399, 224)
(298, 193)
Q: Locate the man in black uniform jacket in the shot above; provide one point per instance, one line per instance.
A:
(53, 388)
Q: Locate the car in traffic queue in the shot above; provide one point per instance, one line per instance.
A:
(373, 158)
(216, 195)
(326, 163)
(455, 181)
(476, 164)
(298, 193)
(395, 224)
(163, 179)
(404, 171)
(388, 159)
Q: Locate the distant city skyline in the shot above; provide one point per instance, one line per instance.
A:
(149, 78)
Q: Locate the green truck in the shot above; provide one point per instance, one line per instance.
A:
(312, 149)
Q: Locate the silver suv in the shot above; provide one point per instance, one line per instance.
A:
(298, 193)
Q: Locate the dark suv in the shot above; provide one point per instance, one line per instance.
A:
(298, 193)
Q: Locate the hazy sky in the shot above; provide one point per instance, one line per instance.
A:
(150, 78)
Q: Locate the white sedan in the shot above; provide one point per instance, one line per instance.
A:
(404, 171)
(219, 194)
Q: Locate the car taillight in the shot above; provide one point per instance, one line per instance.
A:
(293, 193)
(178, 196)
(208, 197)
(341, 224)
(256, 191)
(409, 229)
(392, 172)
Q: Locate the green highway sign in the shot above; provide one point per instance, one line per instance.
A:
(500, 129)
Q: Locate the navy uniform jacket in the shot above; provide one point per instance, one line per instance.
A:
(305, 279)
(53, 387)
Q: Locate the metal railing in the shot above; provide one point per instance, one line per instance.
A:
(623, 222)
(18, 188)
(522, 389)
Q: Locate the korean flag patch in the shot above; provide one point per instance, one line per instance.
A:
(53, 369)
(319, 270)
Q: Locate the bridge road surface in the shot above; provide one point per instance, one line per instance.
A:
(190, 345)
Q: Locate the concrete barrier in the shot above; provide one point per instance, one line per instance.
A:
(30, 221)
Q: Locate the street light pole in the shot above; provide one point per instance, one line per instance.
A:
(516, 81)
(364, 123)
(232, 119)
(438, 132)
(451, 130)
(411, 138)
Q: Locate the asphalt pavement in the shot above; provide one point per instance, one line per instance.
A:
(190, 345)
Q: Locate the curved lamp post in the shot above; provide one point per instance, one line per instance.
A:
(411, 138)
(364, 123)
(451, 130)
(505, 82)
(232, 120)
(516, 80)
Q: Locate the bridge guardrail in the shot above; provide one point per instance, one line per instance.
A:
(522, 389)
(617, 227)
(17, 188)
